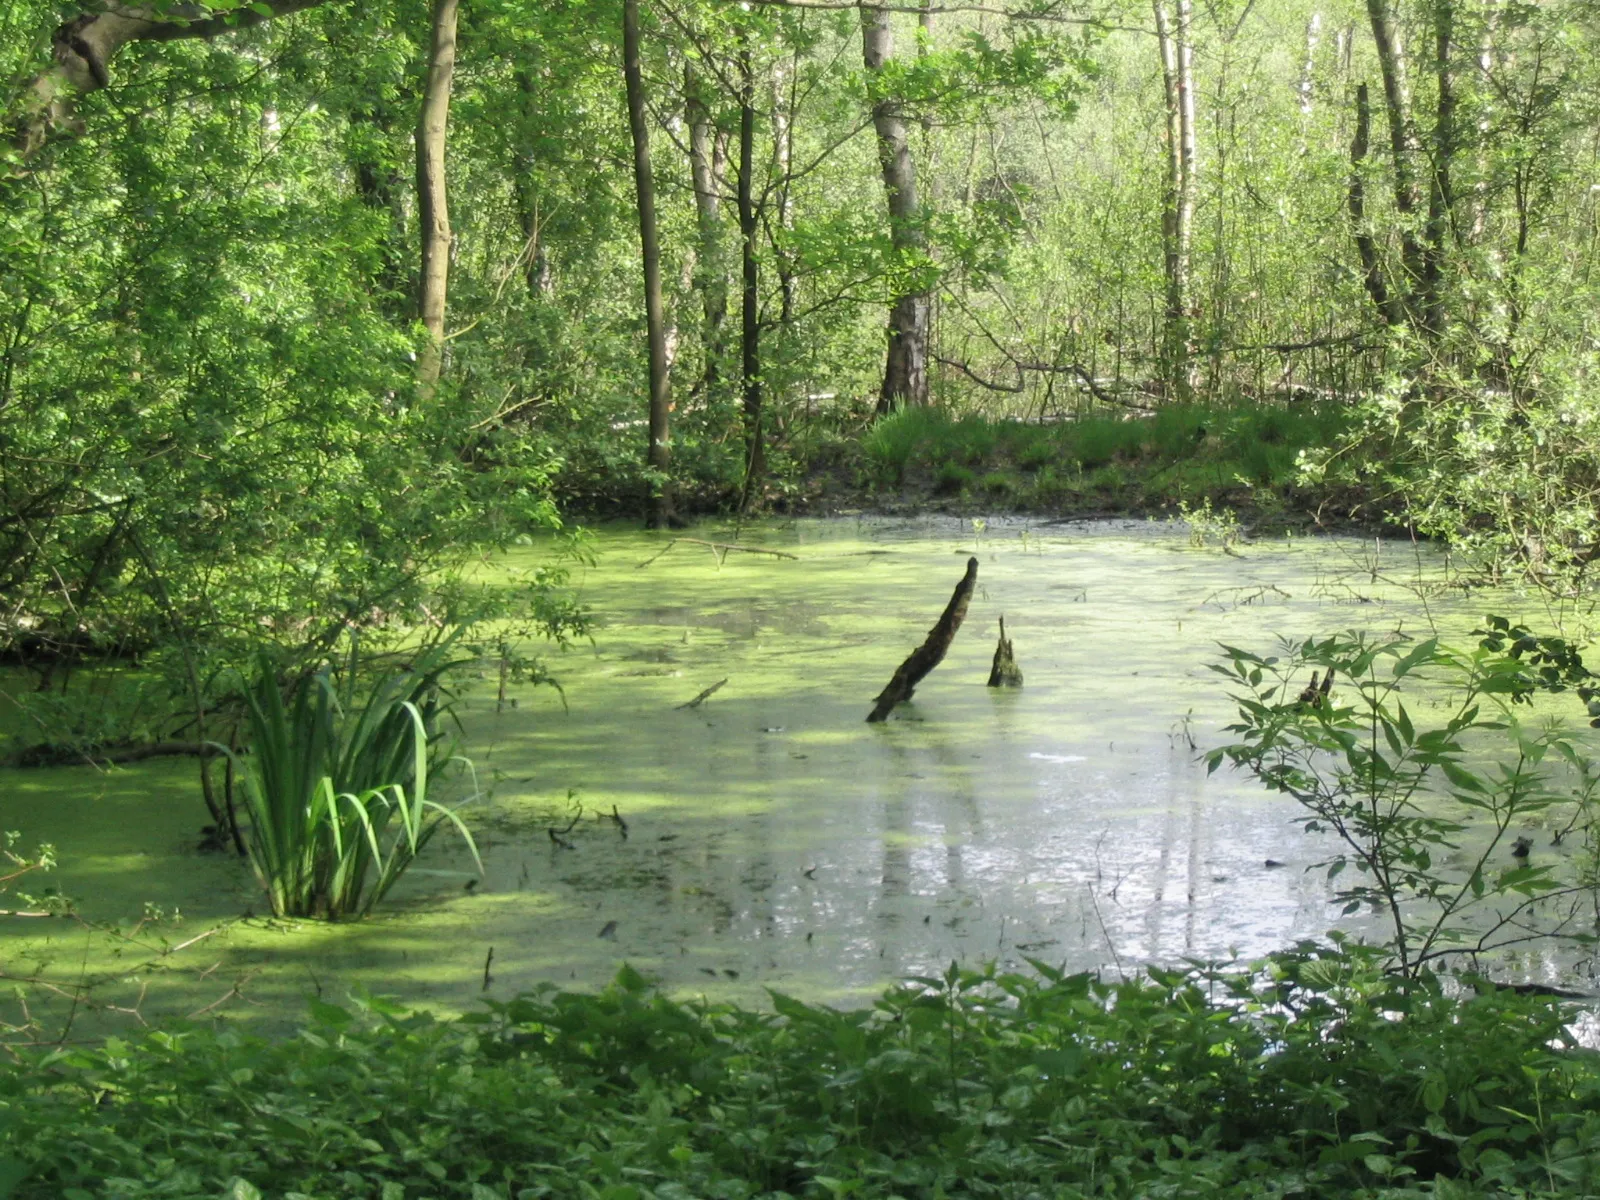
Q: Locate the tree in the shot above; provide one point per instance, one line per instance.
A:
(432, 197)
(84, 47)
(659, 453)
(905, 375)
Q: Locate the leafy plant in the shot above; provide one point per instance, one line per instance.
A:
(337, 790)
(1312, 1073)
(1219, 526)
(1404, 799)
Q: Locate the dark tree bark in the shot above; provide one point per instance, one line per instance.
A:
(1177, 209)
(659, 452)
(84, 47)
(378, 183)
(432, 201)
(1392, 311)
(707, 165)
(1004, 672)
(750, 295)
(905, 376)
(1441, 199)
(1403, 149)
(536, 261)
(932, 651)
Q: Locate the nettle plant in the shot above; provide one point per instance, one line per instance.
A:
(1428, 813)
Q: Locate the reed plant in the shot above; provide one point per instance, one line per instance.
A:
(337, 789)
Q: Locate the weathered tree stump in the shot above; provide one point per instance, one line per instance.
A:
(1005, 672)
(931, 653)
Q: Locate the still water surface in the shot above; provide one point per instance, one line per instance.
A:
(772, 837)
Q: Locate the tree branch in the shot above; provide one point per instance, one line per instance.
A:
(84, 47)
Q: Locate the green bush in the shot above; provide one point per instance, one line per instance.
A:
(952, 478)
(1315, 1075)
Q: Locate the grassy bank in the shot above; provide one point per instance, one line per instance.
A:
(1316, 1076)
(1243, 456)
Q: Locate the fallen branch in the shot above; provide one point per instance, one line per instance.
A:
(931, 653)
(720, 549)
(702, 697)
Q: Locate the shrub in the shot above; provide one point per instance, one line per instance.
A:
(1313, 1074)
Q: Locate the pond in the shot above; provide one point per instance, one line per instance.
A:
(768, 837)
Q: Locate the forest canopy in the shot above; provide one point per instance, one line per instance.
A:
(302, 302)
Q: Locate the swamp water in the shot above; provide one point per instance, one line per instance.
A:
(773, 838)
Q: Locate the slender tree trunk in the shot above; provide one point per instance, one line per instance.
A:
(783, 153)
(750, 296)
(378, 183)
(1403, 148)
(432, 203)
(905, 376)
(536, 261)
(1177, 219)
(1441, 198)
(1392, 311)
(706, 167)
(659, 453)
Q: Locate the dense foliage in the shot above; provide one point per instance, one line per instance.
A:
(1414, 756)
(1318, 1076)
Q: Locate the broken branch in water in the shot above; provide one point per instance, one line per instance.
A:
(702, 697)
(931, 653)
(720, 549)
(1004, 672)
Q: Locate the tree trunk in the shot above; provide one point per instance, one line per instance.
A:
(1177, 216)
(1372, 278)
(711, 276)
(750, 306)
(1441, 197)
(432, 205)
(378, 183)
(1403, 148)
(783, 155)
(905, 376)
(536, 259)
(84, 47)
(659, 453)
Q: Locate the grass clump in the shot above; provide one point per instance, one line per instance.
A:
(336, 789)
(1316, 1074)
(1118, 458)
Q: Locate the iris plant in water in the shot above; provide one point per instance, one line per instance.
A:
(337, 791)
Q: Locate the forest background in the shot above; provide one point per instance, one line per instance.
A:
(302, 304)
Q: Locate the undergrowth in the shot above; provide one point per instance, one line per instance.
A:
(1177, 453)
(1314, 1074)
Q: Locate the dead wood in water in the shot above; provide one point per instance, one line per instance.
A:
(1005, 672)
(703, 696)
(720, 549)
(931, 653)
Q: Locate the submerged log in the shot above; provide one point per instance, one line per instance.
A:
(931, 653)
(1005, 672)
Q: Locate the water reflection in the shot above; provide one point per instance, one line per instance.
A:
(776, 840)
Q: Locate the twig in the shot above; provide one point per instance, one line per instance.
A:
(1106, 933)
(721, 549)
(702, 697)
